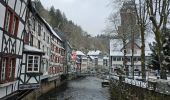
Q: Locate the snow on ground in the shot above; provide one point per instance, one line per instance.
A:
(162, 86)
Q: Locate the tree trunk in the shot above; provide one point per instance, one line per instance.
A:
(143, 53)
(132, 59)
(125, 60)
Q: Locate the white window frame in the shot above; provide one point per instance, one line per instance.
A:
(33, 63)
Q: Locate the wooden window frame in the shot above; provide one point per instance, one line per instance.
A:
(13, 24)
(9, 70)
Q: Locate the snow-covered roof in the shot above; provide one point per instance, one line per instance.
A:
(92, 57)
(84, 57)
(93, 52)
(105, 57)
(79, 53)
(52, 30)
(32, 49)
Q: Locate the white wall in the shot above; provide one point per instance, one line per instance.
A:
(18, 5)
(2, 15)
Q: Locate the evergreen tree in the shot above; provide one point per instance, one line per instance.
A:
(166, 49)
(52, 15)
(154, 62)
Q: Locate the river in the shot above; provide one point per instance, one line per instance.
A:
(88, 88)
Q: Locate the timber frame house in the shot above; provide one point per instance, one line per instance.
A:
(12, 29)
(30, 50)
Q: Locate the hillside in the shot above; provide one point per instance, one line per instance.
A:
(77, 37)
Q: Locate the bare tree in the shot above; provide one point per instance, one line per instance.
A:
(158, 11)
(142, 19)
(123, 24)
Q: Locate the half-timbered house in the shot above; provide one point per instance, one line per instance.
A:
(12, 29)
(57, 56)
(37, 51)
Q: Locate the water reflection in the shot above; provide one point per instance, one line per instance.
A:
(88, 88)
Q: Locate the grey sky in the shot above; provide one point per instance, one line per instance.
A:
(89, 14)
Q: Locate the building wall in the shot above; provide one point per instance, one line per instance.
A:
(57, 57)
(84, 65)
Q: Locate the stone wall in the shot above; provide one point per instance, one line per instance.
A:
(125, 91)
(45, 88)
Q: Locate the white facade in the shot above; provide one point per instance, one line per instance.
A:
(95, 54)
(84, 64)
(117, 56)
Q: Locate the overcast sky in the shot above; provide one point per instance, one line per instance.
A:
(91, 15)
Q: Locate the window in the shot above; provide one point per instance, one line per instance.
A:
(34, 24)
(118, 58)
(33, 63)
(114, 58)
(3, 71)
(43, 48)
(139, 59)
(52, 47)
(129, 59)
(11, 67)
(51, 58)
(56, 49)
(39, 45)
(47, 51)
(26, 38)
(135, 59)
(14, 26)
(7, 69)
(39, 30)
(58, 60)
(44, 36)
(48, 39)
(7, 20)
(31, 40)
(11, 22)
(59, 50)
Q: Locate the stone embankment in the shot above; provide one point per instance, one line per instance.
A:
(128, 89)
(47, 86)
